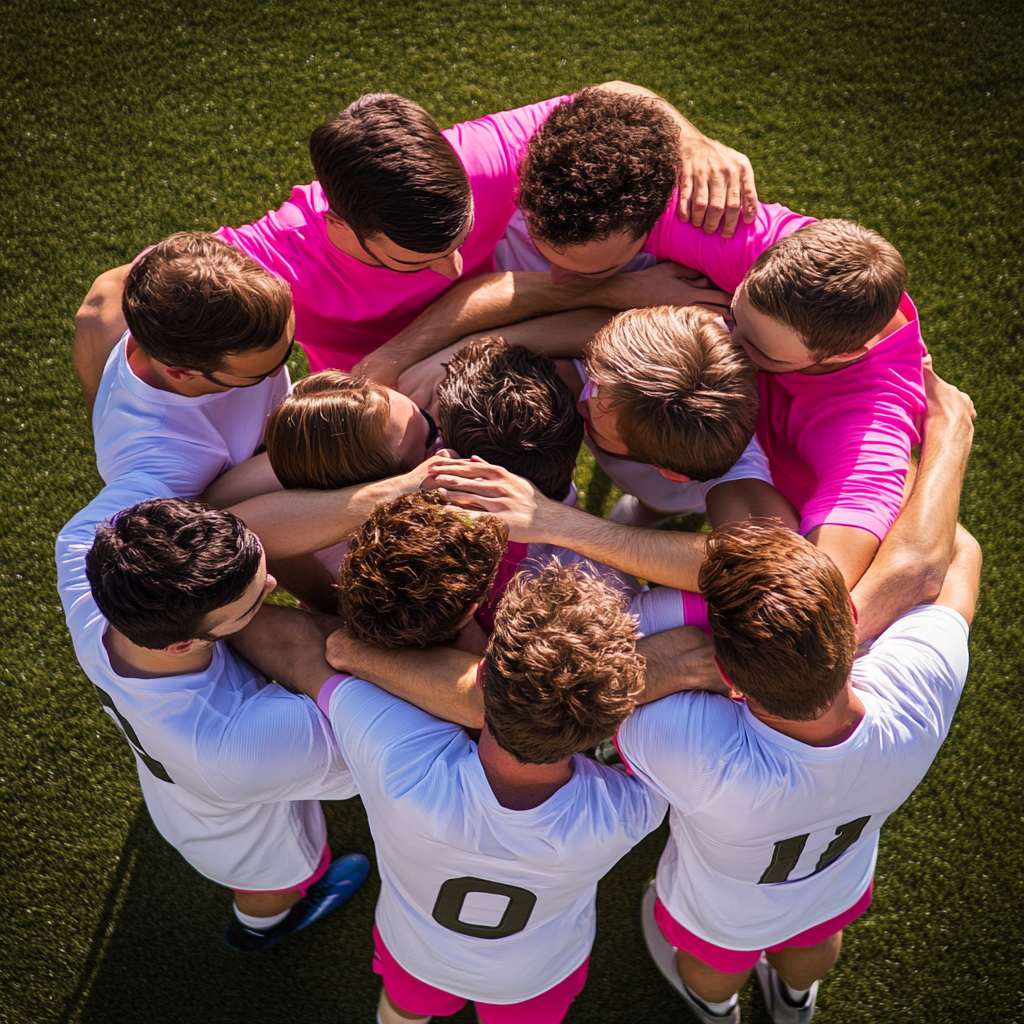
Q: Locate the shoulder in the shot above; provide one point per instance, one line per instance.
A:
(506, 132)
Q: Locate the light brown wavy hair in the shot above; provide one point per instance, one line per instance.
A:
(683, 393)
(561, 672)
(331, 432)
(415, 569)
(781, 615)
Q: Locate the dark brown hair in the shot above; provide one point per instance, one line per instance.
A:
(414, 570)
(683, 393)
(601, 164)
(331, 432)
(835, 283)
(781, 616)
(193, 299)
(386, 169)
(561, 672)
(158, 569)
(508, 405)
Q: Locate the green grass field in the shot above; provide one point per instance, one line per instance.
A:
(124, 122)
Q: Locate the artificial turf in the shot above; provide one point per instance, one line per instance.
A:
(124, 122)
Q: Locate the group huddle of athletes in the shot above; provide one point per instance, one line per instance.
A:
(517, 689)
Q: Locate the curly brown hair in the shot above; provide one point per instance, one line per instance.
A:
(561, 672)
(331, 432)
(415, 569)
(781, 615)
(601, 164)
(835, 282)
(509, 406)
(683, 393)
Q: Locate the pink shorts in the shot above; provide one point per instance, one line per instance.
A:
(301, 887)
(415, 996)
(732, 961)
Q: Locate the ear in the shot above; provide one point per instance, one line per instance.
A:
(179, 373)
(733, 692)
(480, 674)
(469, 615)
(668, 474)
(182, 646)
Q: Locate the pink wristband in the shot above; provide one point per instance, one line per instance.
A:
(323, 698)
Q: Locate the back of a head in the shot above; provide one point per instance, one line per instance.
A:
(683, 392)
(386, 169)
(600, 165)
(781, 616)
(158, 569)
(193, 299)
(561, 672)
(509, 406)
(331, 432)
(415, 569)
(835, 282)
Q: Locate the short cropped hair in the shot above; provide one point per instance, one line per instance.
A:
(157, 570)
(331, 432)
(386, 169)
(683, 392)
(509, 406)
(193, 299)
(561, 671)
(601, 164)
(835, 283)
(781, 616)
(415, 569)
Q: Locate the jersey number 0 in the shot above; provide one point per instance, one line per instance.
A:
(452, 896)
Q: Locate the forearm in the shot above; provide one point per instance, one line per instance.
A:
(912, 561)
(247, 480)
(678, 659)
(735, 501)
(686, 130)
(440, 680)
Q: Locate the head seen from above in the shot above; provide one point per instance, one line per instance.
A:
(784, 629)
(670, 388)
(169, 574)
(209, 313)
(818, 297)
(399, 198)
(417, 570)
(596, 177)
(510, 407)
(561, 672)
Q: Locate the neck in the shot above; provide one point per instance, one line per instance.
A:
(134, 662)
(153, 373)
(834, 726)
(516, 785)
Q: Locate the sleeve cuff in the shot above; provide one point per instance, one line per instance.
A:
(323, 698)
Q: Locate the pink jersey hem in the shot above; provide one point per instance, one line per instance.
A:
(415, 996)
(695, 611)
(732, 961)
(302, 887)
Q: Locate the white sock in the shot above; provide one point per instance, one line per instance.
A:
(794, 996)
(720, 1008)
(385, 1015)
(261, 924)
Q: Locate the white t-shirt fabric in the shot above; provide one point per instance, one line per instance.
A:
(185, 443)
(436, 825)
(771, 836)
(660, 608)
(646, 483)
(232, 767)
(516, 251)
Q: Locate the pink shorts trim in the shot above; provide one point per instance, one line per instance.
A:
(321, 870)
(415, 996)
(732, 961)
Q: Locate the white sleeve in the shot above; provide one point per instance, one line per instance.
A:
(666, 608)
(751, 465)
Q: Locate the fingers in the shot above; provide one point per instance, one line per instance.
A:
(748, 192)
(698, 194)
(717, 188)
(732, 206)
(685, 197)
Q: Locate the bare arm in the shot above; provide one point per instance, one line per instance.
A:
(850, 547)
(672, 559)
(246, 480)
(735, 501)
(912, 562)
(679, 659)
(286, 646)
(959, 589)
(440, 680)
(99, 323)
(717, 184)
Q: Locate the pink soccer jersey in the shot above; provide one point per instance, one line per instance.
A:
(344, 309)
(838, 444)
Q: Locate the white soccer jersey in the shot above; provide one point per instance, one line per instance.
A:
(646, 483)
(771, 836)
(664, 608)
(485, 902)
(232, 767)
(185, 443)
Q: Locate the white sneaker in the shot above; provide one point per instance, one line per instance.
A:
(778, 1006)
(628, 511)
(663, 953)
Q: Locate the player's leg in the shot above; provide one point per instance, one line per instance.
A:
(801, 966)
(404, 999)
(709, 985)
